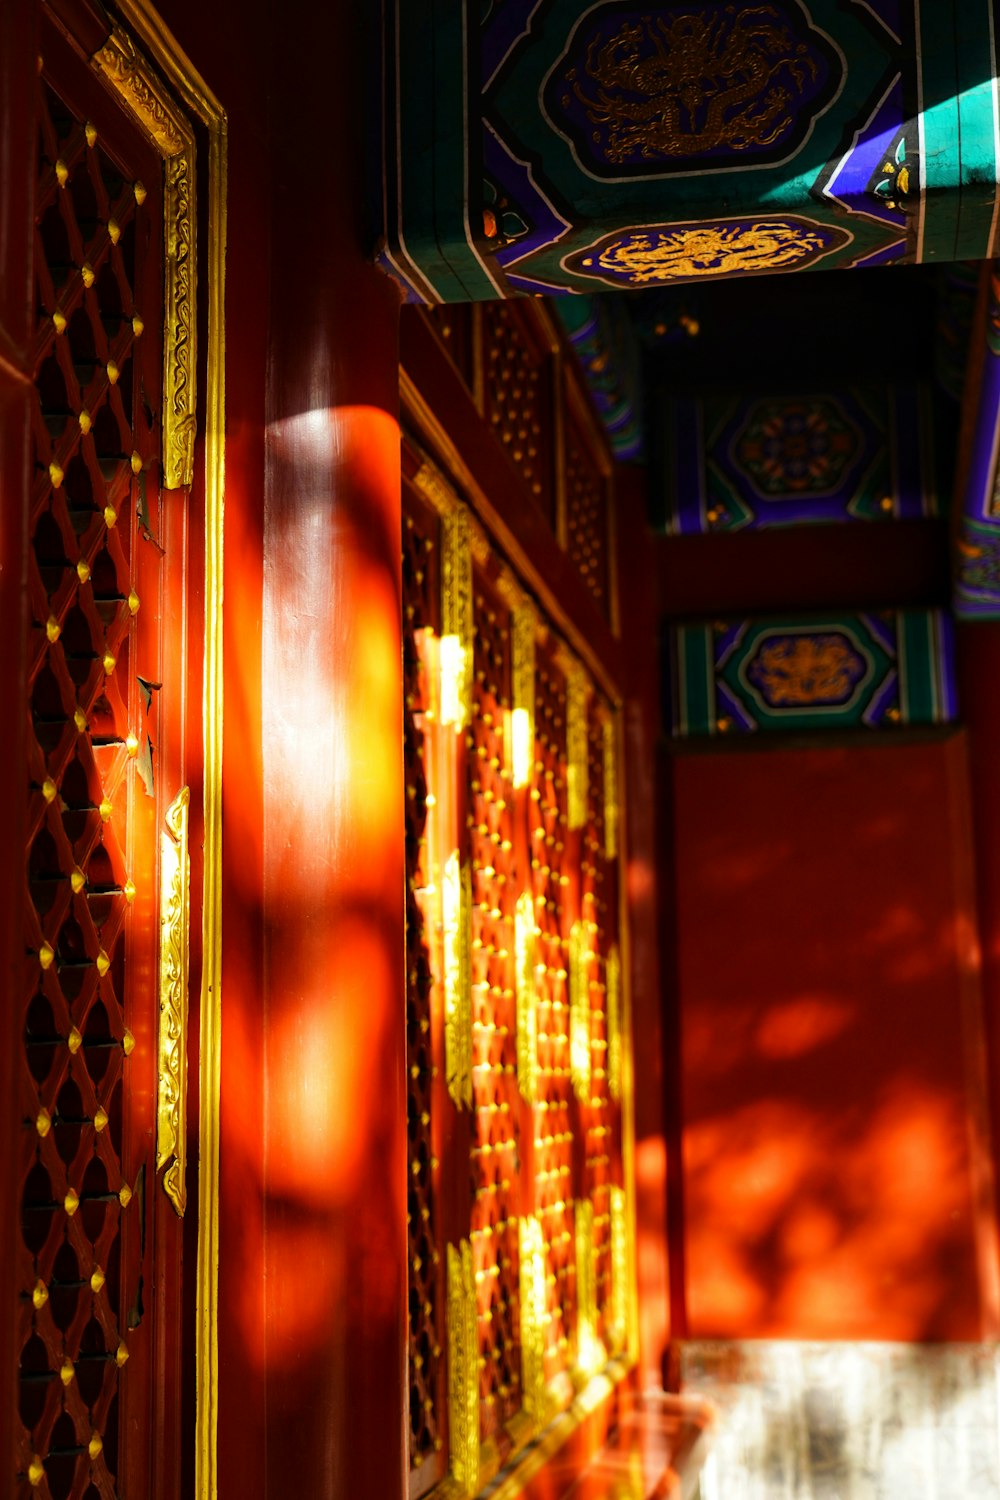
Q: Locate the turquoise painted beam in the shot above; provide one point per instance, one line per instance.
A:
(540, 146)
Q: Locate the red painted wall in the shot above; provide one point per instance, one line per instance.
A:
(836, 1171)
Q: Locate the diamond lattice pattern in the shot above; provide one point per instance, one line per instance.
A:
(92, 435)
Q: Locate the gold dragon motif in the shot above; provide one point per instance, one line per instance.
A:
(675, 86)
(647, 257)
(805, 670)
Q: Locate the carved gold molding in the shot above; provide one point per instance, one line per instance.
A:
(524, 624)
(580, 956)
(590, 1353)
(609, 730)
(131, 77)
(456, 618)
(577, 694)
(613, 1021)
(456, 907)
(171, 1056)
(532, 1293)
(463, 1370)
(619, 1269)
(525, 936)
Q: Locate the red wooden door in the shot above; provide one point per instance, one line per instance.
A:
(101, 889)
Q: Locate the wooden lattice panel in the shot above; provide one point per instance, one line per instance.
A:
(597, 895)
(426, 1332)
(553, 1190)
(517, 397)
(494, 1153)
(84, 1137)
(587, 518)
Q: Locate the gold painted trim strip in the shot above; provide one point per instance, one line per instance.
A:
(619, 1270)
(171, 1051)
(577, 693)
(525, 939)
(590, 1353)
(179, 347)
(210, 1033)
(456, 904)
(524, 625)
(613, 1021)
(534, 1318)
(610, 748)
(463, 1370)
(130, 76)
(579, 1011)
(457, 620)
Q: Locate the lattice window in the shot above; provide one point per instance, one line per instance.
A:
(587, 513)
(494, 1159)
(554, 1187)
(420, 622)
(508, 791)
(517, 397)
(97, 386)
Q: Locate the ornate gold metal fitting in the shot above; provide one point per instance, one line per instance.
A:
(577, 694)
(613, 1017)
(620, 1291)
(463, 1370)
(534, 1316)
(524, 624)
(580, 958)
(590, 1353)
(456, 619)
(175, 919)
(525, 940)
(611, 811)
(456, 906)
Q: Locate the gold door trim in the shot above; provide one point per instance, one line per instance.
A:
(172, 1041)
(126, 71)
(146, 26)
(463, 1371)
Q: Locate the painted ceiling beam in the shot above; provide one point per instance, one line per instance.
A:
(537, 146)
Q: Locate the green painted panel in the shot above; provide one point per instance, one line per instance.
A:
(808, 673)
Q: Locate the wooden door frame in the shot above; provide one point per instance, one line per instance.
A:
(135, 61)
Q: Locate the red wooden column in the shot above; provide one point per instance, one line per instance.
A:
(333, 845)
(18, 51)
(312, 1280)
